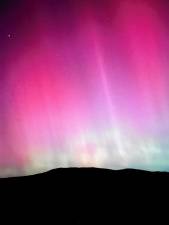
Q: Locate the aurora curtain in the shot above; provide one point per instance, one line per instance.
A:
(83, 83)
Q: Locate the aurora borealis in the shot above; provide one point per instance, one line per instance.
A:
(84, 83)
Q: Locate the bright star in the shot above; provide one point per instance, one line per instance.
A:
(9, 35)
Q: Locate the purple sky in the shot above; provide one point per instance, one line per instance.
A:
(71, 68)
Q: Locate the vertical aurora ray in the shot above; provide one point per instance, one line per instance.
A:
(84, 83)
(145, 55)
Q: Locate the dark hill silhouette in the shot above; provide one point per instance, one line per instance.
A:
(81, 175)
(74, 183)
(80, 193)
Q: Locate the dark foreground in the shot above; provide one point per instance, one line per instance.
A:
(80, 193)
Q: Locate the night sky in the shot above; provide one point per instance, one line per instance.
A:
(84, 83)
